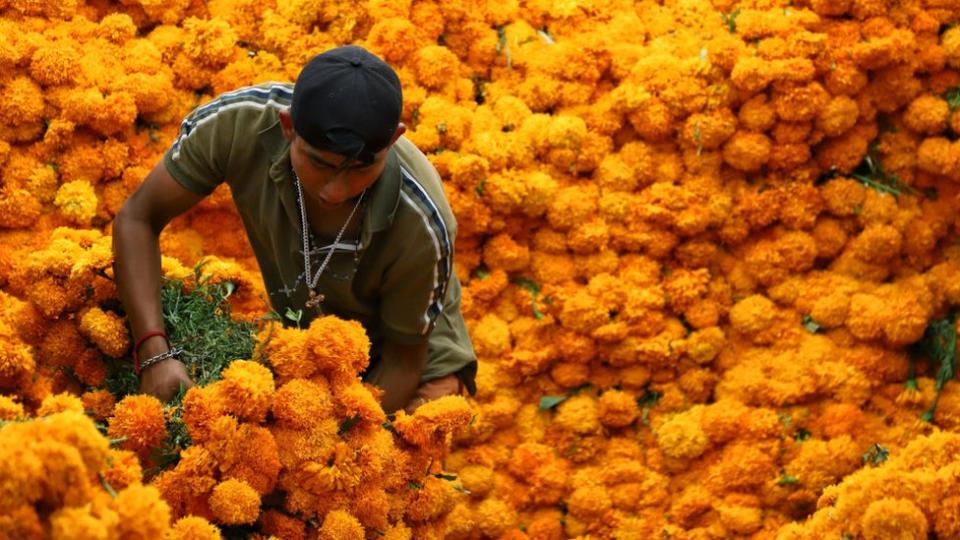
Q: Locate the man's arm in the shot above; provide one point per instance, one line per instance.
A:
(399, 373)
(136, 254)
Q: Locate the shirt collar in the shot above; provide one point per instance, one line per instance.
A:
(384, 195)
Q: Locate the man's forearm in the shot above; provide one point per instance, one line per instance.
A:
(399, 374)
(136, 266)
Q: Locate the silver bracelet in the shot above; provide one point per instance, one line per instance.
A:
(172, 353)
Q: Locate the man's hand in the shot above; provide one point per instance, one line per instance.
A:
(399, 373)
(164, 379)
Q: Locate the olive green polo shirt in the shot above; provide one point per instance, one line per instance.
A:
(396, 279)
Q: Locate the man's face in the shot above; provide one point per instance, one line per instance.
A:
(320, 173)
(323, 178)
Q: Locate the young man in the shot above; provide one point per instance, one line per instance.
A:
(318, 168)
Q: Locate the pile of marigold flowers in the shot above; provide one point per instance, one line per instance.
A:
(709, 255)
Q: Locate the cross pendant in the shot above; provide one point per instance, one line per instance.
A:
(314, 300)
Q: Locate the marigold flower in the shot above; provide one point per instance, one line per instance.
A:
(124, 469)
(10, 409)
(193, 528)
(140, 421)
(617, 409)
(78, 523)
(341, 525)
(433, 421)
(141, 512)
(55, 403)
(77, 202)
(247, 388)
(300, 403)
(105, 329)
(234, 502)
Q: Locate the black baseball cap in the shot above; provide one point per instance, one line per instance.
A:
(347, 101)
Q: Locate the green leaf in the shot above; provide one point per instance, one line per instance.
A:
(649, 398)
(549, 402)
(481, 186)
(731, 20)
(114, 442)
(876, 455)
(414, 485)
(787, 479)
(347, 425)
(801, 435)
(939, 342)
(450, 477)
(106, 486)
(812, 326)
(294, 316)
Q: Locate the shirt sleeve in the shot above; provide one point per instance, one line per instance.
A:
(414, 288)
(197, 158)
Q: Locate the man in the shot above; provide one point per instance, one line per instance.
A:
(345, 216)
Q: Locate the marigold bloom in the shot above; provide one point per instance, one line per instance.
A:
(300, 403)
(140, 420)
(617, 409)
(193, 528)
(55, 403)
(107, 330)
(433, 421)
(234, 502)
(77, 201)
(247, 389)
(141, 512)
(341, 525)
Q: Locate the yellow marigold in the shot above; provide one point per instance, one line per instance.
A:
(77, 201)
(55, 403)
(281, 525)
(10, 409)
(435, 66)
(79, 523)
(234, 502)
(589, 502)
(495, 517)
(193, 528)
(491, 336)
(617, 409)
(753, 314)
(140, 420)
(142, 513)
(248, 389)
(209, 42)
(747, 151)
(891, 518)
(681, 436)
(124, 469)
(105, 329)
(301, 403)
(430, 499)
(332, 346)
(19, 208)
(117, 28)
(356, 400)
(201, 406)
(55, 64)
(433, 421)
(390, 39)
(341, 525)
(477, 479)
(578, 415)
(98, 404)
(505, 253)
(22, 102)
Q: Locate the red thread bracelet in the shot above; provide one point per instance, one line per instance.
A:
(136, 348)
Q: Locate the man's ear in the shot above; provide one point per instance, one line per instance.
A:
(286, 124)
(401, 129)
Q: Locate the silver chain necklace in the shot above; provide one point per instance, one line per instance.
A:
(311, 282)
